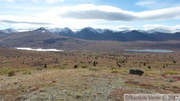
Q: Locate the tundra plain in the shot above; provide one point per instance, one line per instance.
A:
(85, 76)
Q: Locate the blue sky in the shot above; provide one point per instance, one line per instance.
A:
(76, 14)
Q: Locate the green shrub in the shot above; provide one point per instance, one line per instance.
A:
(26, 73)
(78, 96)
(94, 68)
(39, 68)
(62, 67)
(112, 68)
(11, 73)
(114, 71)
(172, 72)
(75, 66)
(84, 66)
(122, 71)
(5, 71)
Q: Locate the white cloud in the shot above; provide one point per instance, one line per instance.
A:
(124, 27)
(26, 22)
(111, 13)
(7, 1)
(154, 4)
(23, 21)
(35, 1)
(17, 19)
(162, 28)
(97, 16)
(161, 14)
(90, 11)
(145, 3)
(54, 1)
(48, 1)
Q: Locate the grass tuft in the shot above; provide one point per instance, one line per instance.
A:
(171, 72)
(26, 72)
(11, 73)
(5, 71)
(94, 68)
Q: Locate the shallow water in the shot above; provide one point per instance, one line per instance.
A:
(39, 49)
(149, 50)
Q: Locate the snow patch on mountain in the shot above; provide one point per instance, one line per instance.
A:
(9, 31)
(59, 30)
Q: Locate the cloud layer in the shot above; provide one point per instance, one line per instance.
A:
(154, 4)
(162, 28)
(98, 16)
(110, 13)
(35, 1)
(24, 22)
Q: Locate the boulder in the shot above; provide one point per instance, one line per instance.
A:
(136, 72)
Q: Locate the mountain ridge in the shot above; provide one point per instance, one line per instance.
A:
(98, 30)
(89, 33)
(89, 39)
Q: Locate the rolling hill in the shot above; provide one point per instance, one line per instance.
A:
(40, 38)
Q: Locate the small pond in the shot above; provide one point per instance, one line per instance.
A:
(39, 49)
(149, 50)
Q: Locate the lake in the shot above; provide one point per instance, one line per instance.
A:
(149, 50)
(39, 49)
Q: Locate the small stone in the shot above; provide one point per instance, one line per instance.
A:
(15, 82)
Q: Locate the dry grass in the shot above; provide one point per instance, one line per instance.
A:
(171, 72)
(52, 76)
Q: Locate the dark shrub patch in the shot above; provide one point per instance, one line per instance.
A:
(11, 73)
(136, 72)
(75, 66)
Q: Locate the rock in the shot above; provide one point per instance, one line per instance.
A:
(136, 72)
(53, 81)
(15, 82)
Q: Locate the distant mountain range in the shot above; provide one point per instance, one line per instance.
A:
(86, 38)
(89, 33)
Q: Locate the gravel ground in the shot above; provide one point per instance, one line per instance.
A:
(76, 85)
(88, 87)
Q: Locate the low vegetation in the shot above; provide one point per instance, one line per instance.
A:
(171, 72)
(85, 76)
(12, 71)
